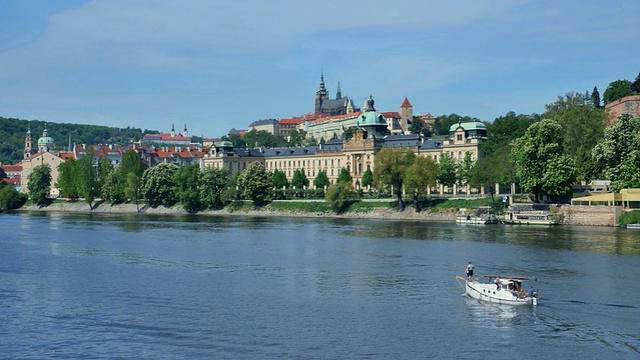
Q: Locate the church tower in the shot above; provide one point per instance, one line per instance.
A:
(321, 95)
(45, 143)
(28, 144)
(185, 133)
(406, 115)
(339, 92)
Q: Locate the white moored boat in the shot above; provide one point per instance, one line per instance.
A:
(509, 290)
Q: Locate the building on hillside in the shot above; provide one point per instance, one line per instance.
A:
(14, 175)
(114, 153)
(356, 154)
(43, 154)
(169, 139)
(331, 107)
(286, 125)
(626, 105)
(180, 156)
(268, 125)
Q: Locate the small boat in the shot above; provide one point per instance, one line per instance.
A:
(633, 226)
(500, 290)
(530, 218)
(485, 219)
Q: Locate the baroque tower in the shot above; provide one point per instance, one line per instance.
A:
(28, 144)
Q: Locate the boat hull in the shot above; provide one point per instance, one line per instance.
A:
(490, 293)
(476, 220)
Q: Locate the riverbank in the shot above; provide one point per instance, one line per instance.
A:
(376, 213)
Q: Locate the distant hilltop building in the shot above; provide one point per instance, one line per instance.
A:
(171, 138)
(331, 107)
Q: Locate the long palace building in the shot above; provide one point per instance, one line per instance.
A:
(355, 154)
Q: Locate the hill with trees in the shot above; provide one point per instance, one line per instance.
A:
(13, 131)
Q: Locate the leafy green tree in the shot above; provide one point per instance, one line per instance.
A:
(582, 123)
(105, 167)
(3, 174)
(132, 188)
(299, 179)
(39, 184)
(617, 90)
(157, 187)
(10, 198)
(296, 137)
(367, 178)
(595, 98)
(112, 191)
(540, 162)
(339, 195)
(618, 153)
(416, 126)
(388, 171)
(322, 180)
(255, 183)
(235, 139)
(256, 138)
(67, 183)
(344, 177)
(87, 177)
(419, 177)
(446, 170)
(464, 169)
(185, 181)
(444, 122)
(214, 183)
(280, 179)
(635, 86)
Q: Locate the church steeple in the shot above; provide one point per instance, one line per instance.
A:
(338, 93)
(321, 95)
(28, 144)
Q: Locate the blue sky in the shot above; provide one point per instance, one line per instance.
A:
(214, 65)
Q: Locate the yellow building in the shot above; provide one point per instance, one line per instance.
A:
(356, 154)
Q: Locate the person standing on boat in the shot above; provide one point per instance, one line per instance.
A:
(469, 271)
(498, 283)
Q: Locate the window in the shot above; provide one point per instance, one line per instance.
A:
(459, 137)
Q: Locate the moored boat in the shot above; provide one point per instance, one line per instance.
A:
(530, 218)
(633, 226)
(486, 219)
(500, 289)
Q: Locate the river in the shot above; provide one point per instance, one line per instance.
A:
(105, 286)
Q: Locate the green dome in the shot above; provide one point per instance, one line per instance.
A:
(45, 140)
(476, 125)
(223, 144)
(371, 118)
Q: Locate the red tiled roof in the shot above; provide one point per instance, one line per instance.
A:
(166, 137)
(391, 114)
(11, 168)
(339, 117)
(406, 103)
(294, 120)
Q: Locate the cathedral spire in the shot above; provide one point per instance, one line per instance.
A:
(339, 92)
(322, 90)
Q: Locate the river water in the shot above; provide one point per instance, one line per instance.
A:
(96, 286)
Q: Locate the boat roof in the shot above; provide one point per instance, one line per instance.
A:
(511, 278)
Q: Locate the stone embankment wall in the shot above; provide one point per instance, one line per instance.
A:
(590, 215)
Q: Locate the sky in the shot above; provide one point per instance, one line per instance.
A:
(213, 65)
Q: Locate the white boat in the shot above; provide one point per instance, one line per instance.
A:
(633, 226)
(530, 218)
(509, 290)
(485, 219)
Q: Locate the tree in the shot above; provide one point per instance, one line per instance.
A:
(618, 154)
(321, 181)
(105, 167)
(185, 182)
(595, 98)
(389, 167)
(255, 183)
(3, 174)
(464, 170)
(132, 188)
(280, 179)
(157, 185)
(540, 162)
(214, 182)
(67, 183)
(297, 137)
(87, 178)
(299, 179)
(344, 177)
(10, 198)
(446, 170)
(582, 123)
(39, 184)
(617, 90)
(339, 195)
(367, 178)
(636, 84)
(419, 177)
